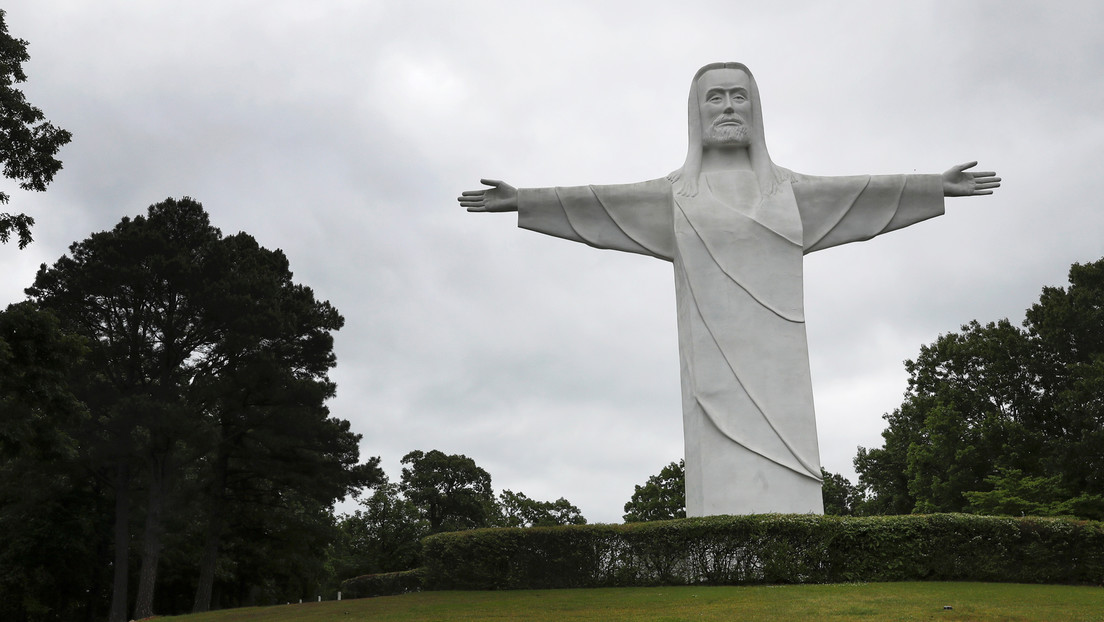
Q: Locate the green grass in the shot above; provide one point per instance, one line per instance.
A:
(867, 601)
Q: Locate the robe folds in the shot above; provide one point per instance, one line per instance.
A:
(748, 420)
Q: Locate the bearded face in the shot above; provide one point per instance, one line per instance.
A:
(724, 104)
(726, 134)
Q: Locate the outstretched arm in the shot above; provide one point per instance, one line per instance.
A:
(500, 197)
(958, 182)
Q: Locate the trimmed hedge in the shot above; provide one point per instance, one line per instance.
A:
(385, 584)
(771, 548)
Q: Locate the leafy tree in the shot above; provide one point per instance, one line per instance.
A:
(450, 491)
(384, 536)
(36, 405)
(518, 510)
(883, 471)
(662, 497)
(1002, 419)
(28, 143)
(964, 416)
(841, 497)
(49, 561)
(1016, 494)
(1067, 324)
(274, 554)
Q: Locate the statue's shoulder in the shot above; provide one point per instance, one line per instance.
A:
(636, 195)
(651, 186)
(786, 175)
(659, 183)
(660, 187)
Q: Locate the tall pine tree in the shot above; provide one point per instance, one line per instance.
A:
(206, 379)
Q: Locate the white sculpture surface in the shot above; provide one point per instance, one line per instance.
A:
(736, 226)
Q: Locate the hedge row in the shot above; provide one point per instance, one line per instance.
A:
(385, 584)
(728, 550)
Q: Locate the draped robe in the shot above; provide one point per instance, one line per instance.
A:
(748, 420)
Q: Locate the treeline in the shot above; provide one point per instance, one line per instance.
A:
(436, 493)
(164, 440)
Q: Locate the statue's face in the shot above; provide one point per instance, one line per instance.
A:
(724, 104)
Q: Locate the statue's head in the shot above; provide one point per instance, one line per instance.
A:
(724, 111)
(724, 107)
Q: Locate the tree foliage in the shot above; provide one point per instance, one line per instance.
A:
(841, 497)
(451, 492)
(49, 567)
(662, 497)
(135, 293)
(439, 492)
(999, 419)
(203, 378)
(518, 510)
(28, 143)
(384, 536)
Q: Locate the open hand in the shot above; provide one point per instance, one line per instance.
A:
(959, 182)
(500, 197)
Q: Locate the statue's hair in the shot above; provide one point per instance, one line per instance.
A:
(686, 179)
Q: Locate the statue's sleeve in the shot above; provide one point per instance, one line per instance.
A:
(838, 210)
(635, 218)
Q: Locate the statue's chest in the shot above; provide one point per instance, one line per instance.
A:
(728, 210)
(738, 258)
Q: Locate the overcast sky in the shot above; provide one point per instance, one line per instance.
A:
(341, 132)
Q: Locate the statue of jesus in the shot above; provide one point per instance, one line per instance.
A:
(735, 226)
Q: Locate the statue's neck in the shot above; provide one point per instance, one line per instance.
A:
(716, 159)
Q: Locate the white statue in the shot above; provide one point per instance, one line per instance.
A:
(736, 226)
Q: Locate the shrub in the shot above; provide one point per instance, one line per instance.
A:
(728, 550)
(385, 584)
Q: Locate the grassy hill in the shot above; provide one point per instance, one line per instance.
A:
(869, 601)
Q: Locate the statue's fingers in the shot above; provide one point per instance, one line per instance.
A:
(966, 165)
(491, 182)
(992, 184)
(985, 174)
(473, 193)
